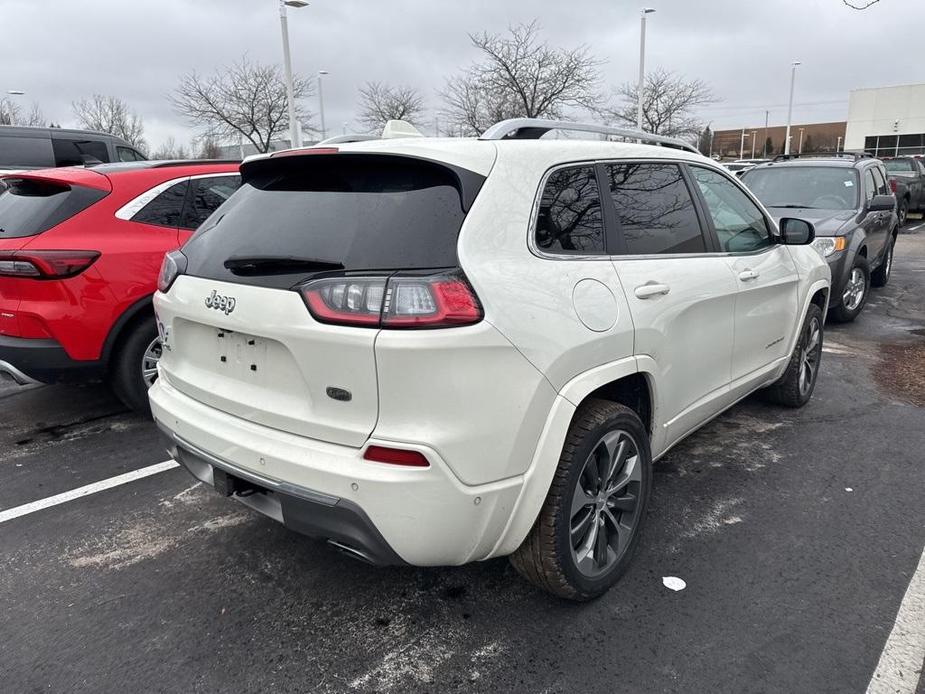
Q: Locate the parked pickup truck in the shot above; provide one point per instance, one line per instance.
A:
(907, 179)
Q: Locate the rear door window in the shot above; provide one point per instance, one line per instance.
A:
(29, 207)
(569, 219)
(166, 210)
(341, 211)
(206, 194)
(655, 209)
(16, 152)
(79, 152)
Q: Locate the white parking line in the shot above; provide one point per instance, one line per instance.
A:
(901, 662)
(916, 227)
(102, 485)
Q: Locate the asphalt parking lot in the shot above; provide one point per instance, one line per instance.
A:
(797, 534)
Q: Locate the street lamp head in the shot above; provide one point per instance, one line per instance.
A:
(295, 3)
(16, 92)
(796, 62)
(323, 72)
(648, 10)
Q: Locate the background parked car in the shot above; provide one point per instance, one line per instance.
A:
(80, 249)
(847, 198)
(907, 180)
(40, 148)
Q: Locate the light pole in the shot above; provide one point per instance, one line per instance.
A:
(322, 73)
(767, 114)
(800, 149)
(640, 88)
(753, 143)
(742, 144)
(793, 79)
(838, 144)
(12, 92)
(295, 138)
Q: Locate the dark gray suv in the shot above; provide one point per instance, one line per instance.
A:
(848, 199)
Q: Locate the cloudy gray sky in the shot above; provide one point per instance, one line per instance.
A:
(62, 50)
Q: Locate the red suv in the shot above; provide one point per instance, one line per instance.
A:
(80, 251)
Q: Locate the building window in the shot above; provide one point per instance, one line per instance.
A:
(894, 145)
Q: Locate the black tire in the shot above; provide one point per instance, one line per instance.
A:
(790, 390)
(547, 558)
(844, 313)
(903, 212)
(880, 276)
(125, 373)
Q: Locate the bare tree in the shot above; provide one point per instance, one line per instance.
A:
(520, 76)
(381, 102)
(171, 150)
(112, 115)
(12, 114)
(244, 99)
(667, 106)
(208, 149)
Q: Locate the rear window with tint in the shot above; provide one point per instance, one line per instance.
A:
(337, 211)
(29, 207)
(79, 152)
(900, 165)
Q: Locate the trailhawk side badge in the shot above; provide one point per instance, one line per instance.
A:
(220, 303)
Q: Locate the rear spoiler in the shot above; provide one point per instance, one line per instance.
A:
(67, 176)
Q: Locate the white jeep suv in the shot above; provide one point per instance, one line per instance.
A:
(437, 351)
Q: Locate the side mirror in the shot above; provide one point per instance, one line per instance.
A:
(882, 203)
(796, 232)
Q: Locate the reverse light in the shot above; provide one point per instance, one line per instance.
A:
(402, 301)
(173, 265)
(45, 265)
(827, 245)
(395, 456)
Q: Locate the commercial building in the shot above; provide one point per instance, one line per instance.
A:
(887, 121)
(806, 137)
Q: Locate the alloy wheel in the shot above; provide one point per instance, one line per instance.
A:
(605, 510)
(149, 362)
(855, 289)
(889, 260)
(809, 358)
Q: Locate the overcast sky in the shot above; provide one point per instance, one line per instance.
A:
(62, 50)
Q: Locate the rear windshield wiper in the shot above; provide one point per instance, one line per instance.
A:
(278, 265)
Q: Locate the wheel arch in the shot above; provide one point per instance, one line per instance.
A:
(142, 308)
(626, 381)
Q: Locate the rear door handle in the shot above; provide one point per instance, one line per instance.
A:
(647, 291)
(748, 275)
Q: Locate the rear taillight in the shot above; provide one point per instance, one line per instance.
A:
(893, 185)
(45, 265)
(173, 265)
(402, 301)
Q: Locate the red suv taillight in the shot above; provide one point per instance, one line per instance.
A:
(893, 185)
(45, 265)
(400, 301)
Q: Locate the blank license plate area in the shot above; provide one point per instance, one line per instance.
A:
(240, 356)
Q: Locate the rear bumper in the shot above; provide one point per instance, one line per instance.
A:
(339, 521)
(28, 360)
(382, 513)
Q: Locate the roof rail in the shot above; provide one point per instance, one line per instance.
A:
(164, 163)
(535, 128)
(822, 155)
